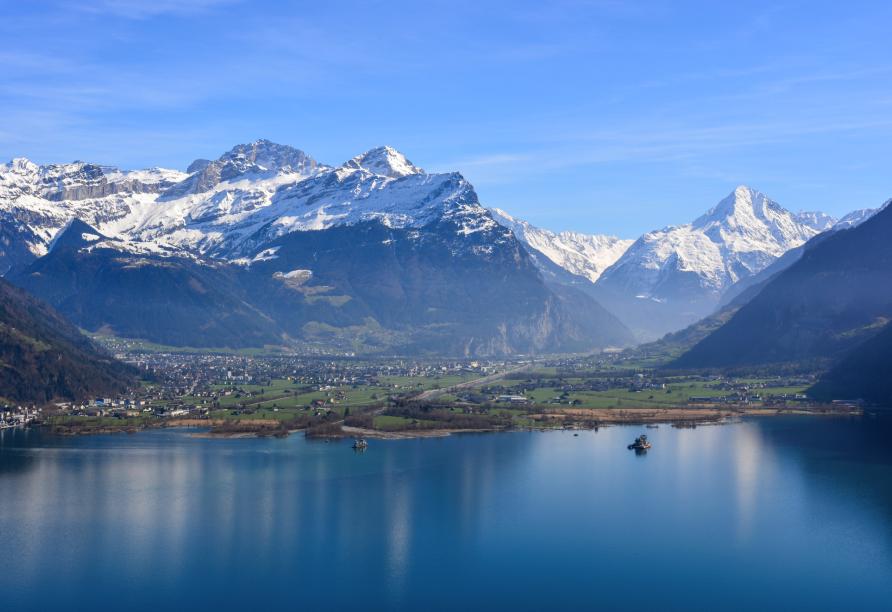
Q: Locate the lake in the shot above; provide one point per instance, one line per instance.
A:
(772, 513)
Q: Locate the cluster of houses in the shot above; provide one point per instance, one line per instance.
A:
(105, 406)
(752, 392)
(17, 416)
(186, 373)
(193, 384)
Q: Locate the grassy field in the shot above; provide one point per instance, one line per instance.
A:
(287, 394)
(283, 414)
(285, 401)
(398, 423)
(423, 383)
(675, 395)
(152, 347)
(70, 424)
(284, 394)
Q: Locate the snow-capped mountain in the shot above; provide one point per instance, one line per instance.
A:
(414, 250)
(741, 235)
(853, 219)
(256, 160)
(251, 194)
(585, 255)
(857, 217)
(681, 271)
(266, 245)
(36, 202)
(823, 222)
(235, 215)
(816, 220)
(832, 299)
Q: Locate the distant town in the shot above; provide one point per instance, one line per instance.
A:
(232, 394)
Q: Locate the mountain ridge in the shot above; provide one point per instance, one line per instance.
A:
(836, 294)
(671, 277)
(585, 255)
(44, 358)
(242, 226)
(234, 208)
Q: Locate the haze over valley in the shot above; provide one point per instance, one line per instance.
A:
(410, 261)
(445, 305)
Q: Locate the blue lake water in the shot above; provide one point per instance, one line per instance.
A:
(777, 513)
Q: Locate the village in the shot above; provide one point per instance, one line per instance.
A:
(279, 388)
(177, 385)
(18, 416)
(233, 392)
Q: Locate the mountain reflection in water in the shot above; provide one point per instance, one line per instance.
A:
(772, 513)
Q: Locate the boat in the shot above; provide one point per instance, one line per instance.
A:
(360, 444)
(640, 443)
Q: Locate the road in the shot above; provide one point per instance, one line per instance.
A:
(435, 393)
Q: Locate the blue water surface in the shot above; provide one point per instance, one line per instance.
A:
(772, 513)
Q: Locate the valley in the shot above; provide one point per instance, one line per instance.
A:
(445, 306)
(401, 304)
(237, 396)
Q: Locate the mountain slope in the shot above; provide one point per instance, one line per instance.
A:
(36, 202)
(836, 295)
(364, 287)
(585, 255)
(43, 357)
(462, 294)
(865, 373)
(671, 277)
(674, 344)
(817, 220)
(169, 300)
(786, 260)
(266, 246)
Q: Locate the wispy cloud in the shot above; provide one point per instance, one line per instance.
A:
(602, 92)
(145, 9)
(690, 145)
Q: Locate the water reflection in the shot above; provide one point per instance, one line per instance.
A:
(523, 520)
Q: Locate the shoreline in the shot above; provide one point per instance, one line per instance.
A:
(580, 419)
(377, 434)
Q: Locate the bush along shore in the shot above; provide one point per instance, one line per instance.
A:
(411, 418)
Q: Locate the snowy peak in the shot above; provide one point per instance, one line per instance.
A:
(517, 226)
(20, 165)
(747, 221)
(586, 255)
(350, 195)
(75, 181)
(228, 217)
(198, 165)
(79, 180)
(254, 158)
(154, 178)
(748, 212)
(816, 220)
(857, 217)
(17, 177)
(383, 161)
(671, 277)
(744, 204)
(737, 238)
(270, 156)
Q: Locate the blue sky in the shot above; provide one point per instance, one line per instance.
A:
(600, 116)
